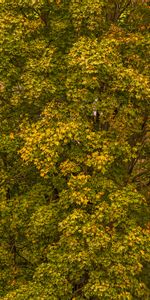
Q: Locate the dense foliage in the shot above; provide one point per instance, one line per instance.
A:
(74, 145)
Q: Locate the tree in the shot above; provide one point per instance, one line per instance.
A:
(74, 150)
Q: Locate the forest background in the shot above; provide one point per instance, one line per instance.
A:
(74, 145)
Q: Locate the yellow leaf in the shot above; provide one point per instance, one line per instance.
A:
(11, 136)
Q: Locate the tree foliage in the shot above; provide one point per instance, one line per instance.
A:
(74, 147)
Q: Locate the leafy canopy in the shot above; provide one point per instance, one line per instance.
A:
(74, 146)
